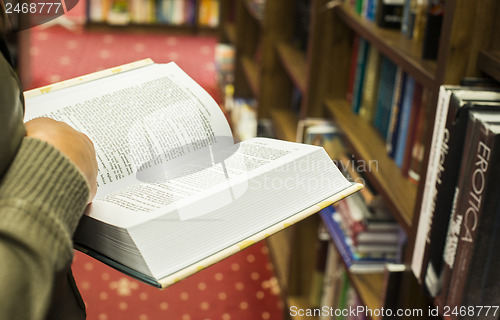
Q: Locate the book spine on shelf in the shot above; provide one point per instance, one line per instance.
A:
(360, 74)
(352, 69)
(478, 190)
(432, 31)
(337, 236)
(420, 251)
(412, 129)
(394, 122)
(370, 85)
(390, 13)
(406, 109)
(385, 95)
(420, 19)
(418, 145)
(439, 287)
(408, 21)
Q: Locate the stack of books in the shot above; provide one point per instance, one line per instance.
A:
(366, 241)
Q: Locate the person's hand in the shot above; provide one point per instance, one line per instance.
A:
(72, 143)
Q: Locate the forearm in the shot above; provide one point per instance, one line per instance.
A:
(42, 197)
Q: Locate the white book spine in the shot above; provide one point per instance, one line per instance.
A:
(427, 208)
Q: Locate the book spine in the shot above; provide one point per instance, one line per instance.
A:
(390, 14)
(360, 74)
(370, 86)
(432, 31)
(418, 146)
(406, 109)
(412, 129)
(385, 94)
(420, 19)
(352, 69)
(337, 235)
(392, 133)
(441, 290)
(450, 158)
(479, 187)
(482, 282)
(420, 252)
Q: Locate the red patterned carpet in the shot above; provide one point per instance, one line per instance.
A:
(242, 287)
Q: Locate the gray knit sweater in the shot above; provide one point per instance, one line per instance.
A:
(42, 196)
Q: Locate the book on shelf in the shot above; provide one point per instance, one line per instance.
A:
(369, 87)
(354, 261)
(352, 69)
(168, 12)
(370, 9)
(420, 20)
(208, 13)
(447, 145)
(390, 13)
(417, 145)
(432, 31)
(244, 118)
(176, 12)
(405, 120)
(411, 136)
(408, 20)
(366, 225)
(175, 193)
(473, 265)
(321, 132)
(357, 91)
(385, 95)
(395, 116)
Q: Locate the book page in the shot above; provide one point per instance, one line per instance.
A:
(200, 187)
(154, 116)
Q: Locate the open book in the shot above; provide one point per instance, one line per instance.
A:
(175, 193)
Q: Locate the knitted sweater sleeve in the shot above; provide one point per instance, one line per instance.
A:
(42, 197)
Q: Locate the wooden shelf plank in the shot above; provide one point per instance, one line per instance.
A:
(230, 30)
(399, 193)
(285, 124)
(294, 62)
(392, 43)
(251, 70)
(489, 63)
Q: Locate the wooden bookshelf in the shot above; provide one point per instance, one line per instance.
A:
(366, 142)
(294, 62)
(152, 24)
(271, 67)
(391, 43)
